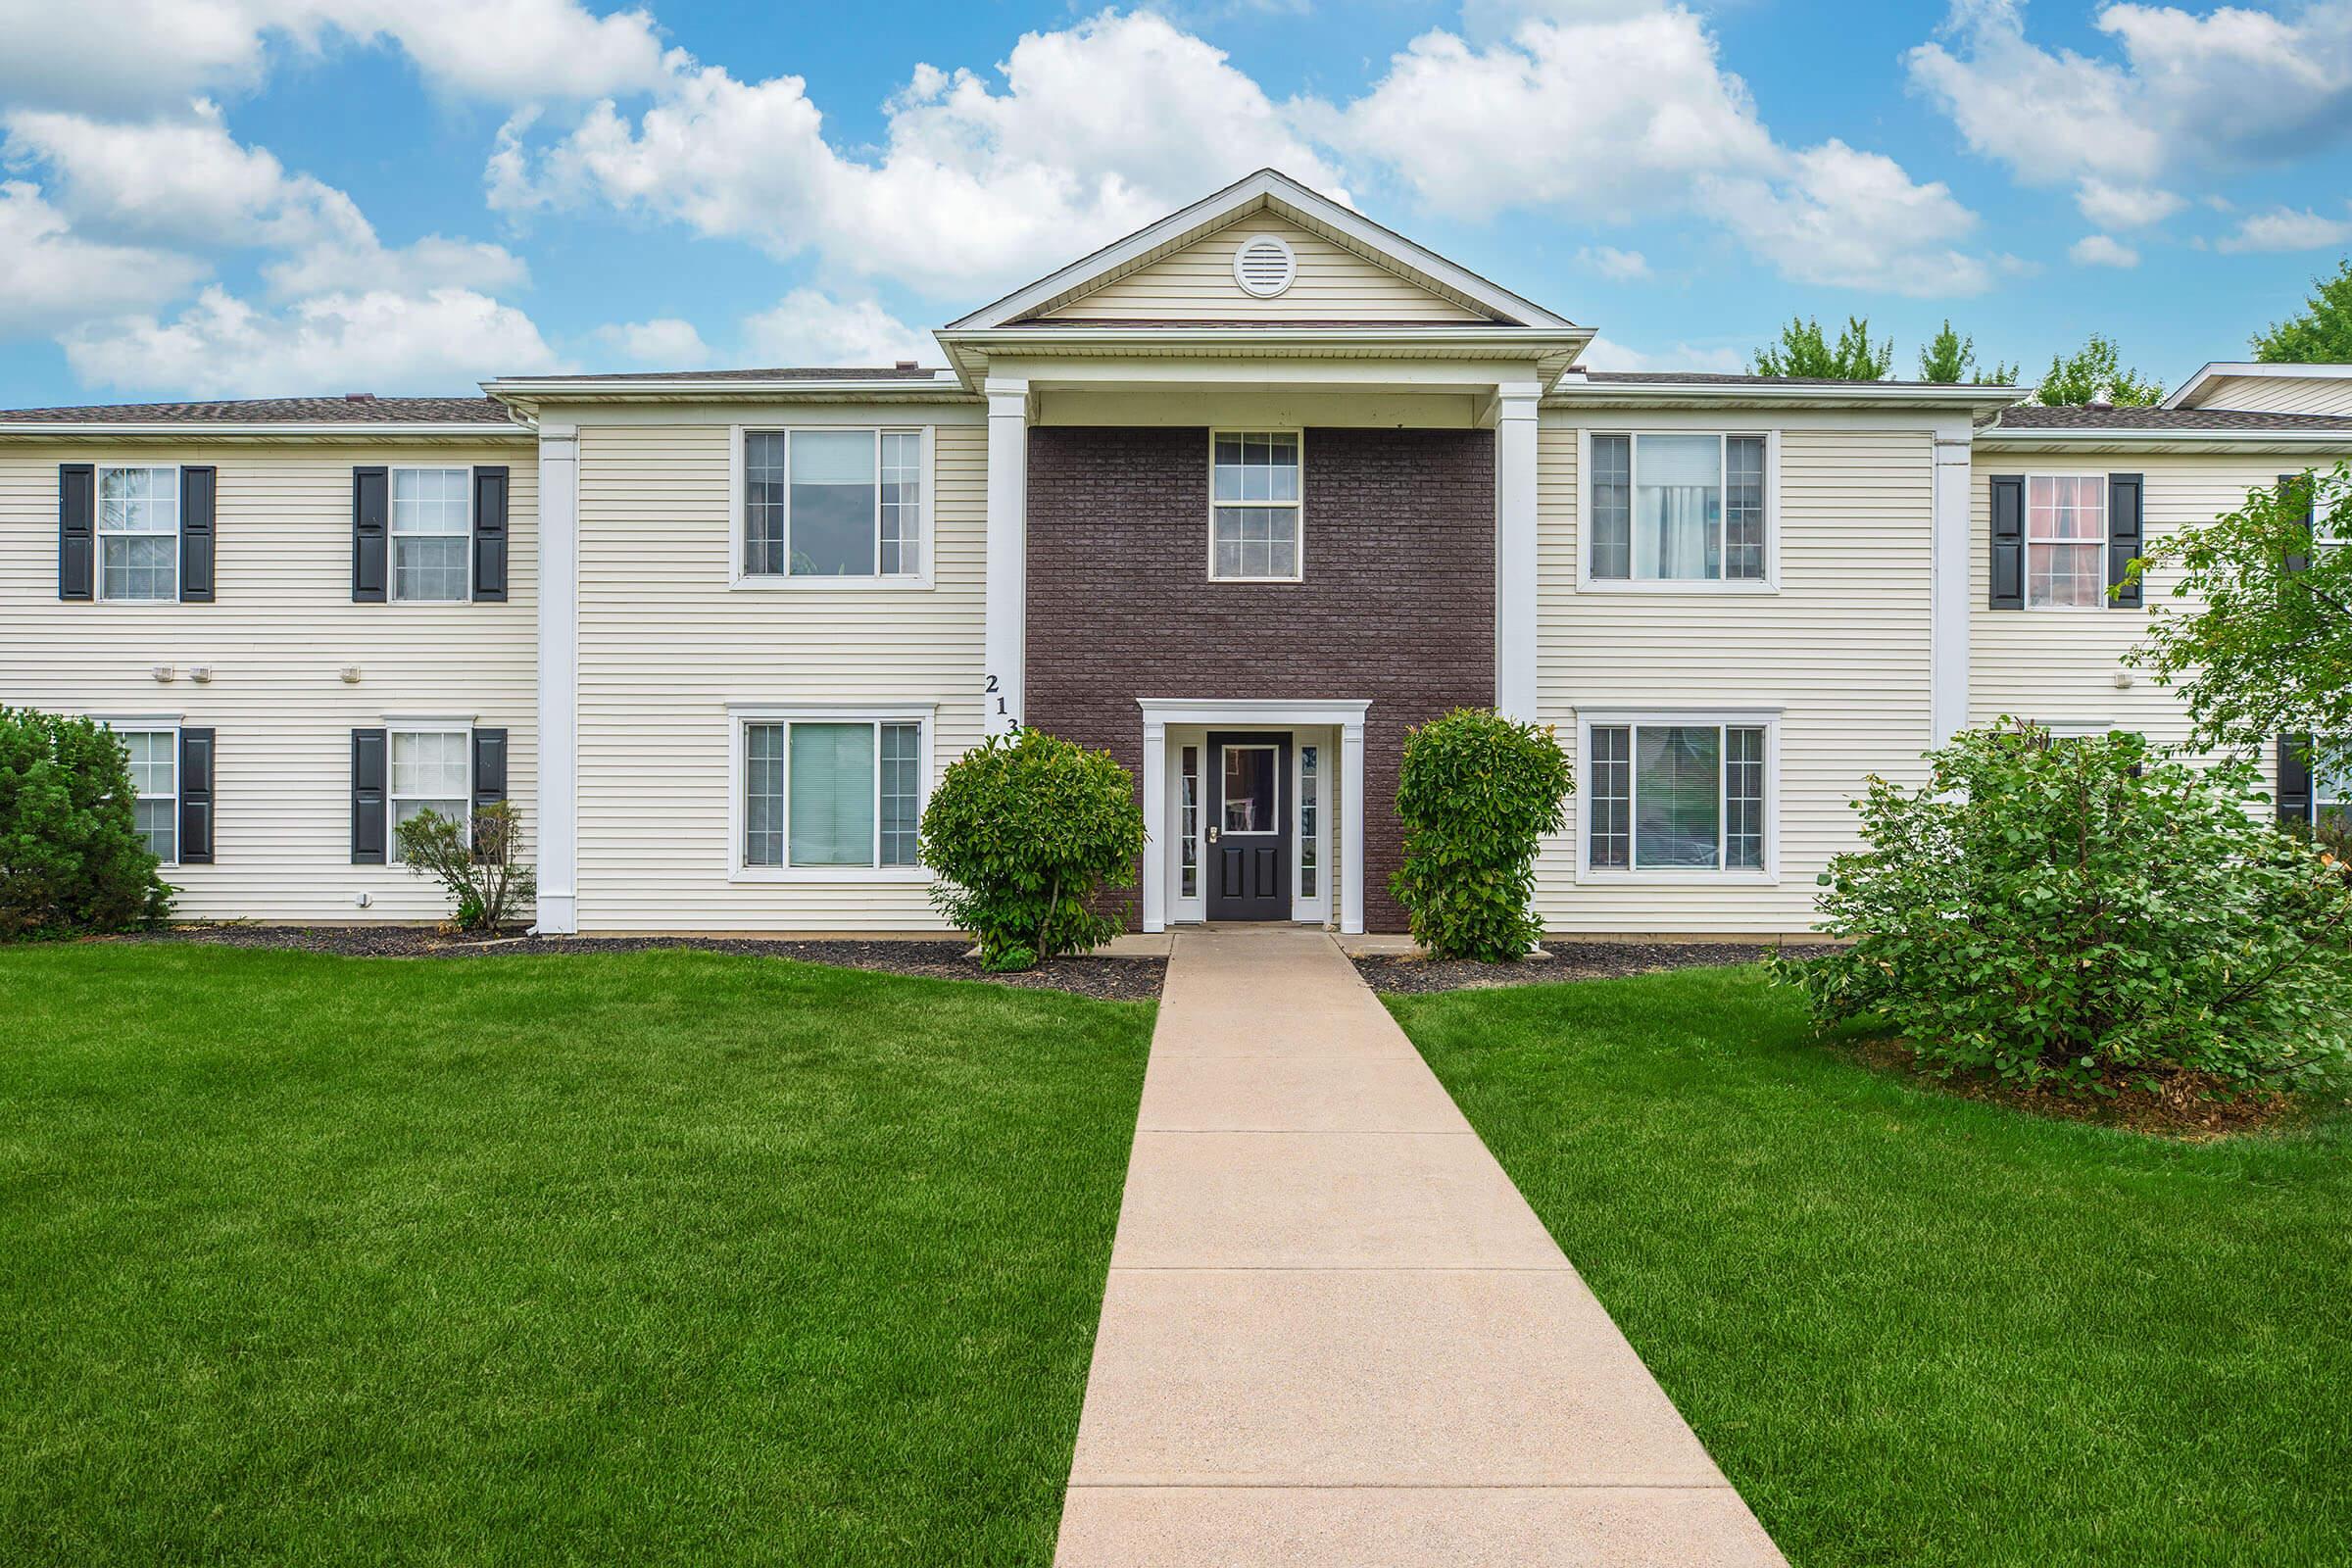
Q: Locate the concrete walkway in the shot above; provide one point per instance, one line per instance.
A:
(1334, 1331)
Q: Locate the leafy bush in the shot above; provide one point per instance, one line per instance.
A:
(72, 857)
(1025, 833)
(1477, 792)
(486, 877)
(2080, 913)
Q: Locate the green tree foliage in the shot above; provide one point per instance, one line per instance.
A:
(1477, 792)
(1026, 832)
(2095, 368)
(1951, 359)
(2082, 913)
(1803, 351)
(72, 857)
(2321, 334)
(484, 873)
(2258, 636)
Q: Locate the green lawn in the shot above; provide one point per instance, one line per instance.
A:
(1919, 1330)
(660, 1257)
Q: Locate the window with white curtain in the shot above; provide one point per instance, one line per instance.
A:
(1670, 506)
(433, 771)
(138, 533)
(2066, 541)
(1676, 796)
(833, 503)
(832, 793)
(432, 535)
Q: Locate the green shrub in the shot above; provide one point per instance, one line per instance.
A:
(1477, 792)
(487, 880)
(2081, 913)
(72, 857)
(1025, 832)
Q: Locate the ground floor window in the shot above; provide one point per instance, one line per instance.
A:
(1677, 795)
(1310, 813)
(433, 771)
(832, 793)
(155, 780)
(1188, 831)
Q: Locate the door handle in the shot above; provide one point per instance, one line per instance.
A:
(1212, 834)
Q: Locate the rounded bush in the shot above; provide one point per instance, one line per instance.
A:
(1477, 792)
(72, 857)
(1025, 833)
(2084, 913)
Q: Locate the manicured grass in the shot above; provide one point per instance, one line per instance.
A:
(661, 1258)
(1918, 1330)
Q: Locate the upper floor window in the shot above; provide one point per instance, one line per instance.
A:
(832, 503)
(432, 534)
(2066, 541)
(1254, 506)
(138, 533)
(1670, 506)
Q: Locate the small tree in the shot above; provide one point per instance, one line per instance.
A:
(1026, 832)
(2082, 913)
(1950, 358)
(2096, 368)
(2259, 638)
(487, 880)
(1803, 351)
(1477, 792)
(2321, 334)
(72, 857)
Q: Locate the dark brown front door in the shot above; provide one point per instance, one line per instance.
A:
(1248, 828)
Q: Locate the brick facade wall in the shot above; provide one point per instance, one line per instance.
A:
(1397, 607)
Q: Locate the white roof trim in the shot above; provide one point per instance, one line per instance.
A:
(712, 386)
(2182, 395)
(1268, 187)
(1572, 390)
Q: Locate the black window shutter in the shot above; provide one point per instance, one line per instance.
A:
(371, 520)
(77, 530)
(2008, 541)
(198, 488)
(2125, 495)
(489, 772)
(490, 536)
(195, 797)
(2294, 780)
(2288, 484)
(368, 749)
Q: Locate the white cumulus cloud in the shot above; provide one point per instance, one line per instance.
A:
(664, 343)
(2284, 228)
(808, 326)
(1610, 262)
(51, 277)
(2102, 250)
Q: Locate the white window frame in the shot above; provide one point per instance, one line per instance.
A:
(2026, 542)
(1316, 905)
(1764, 718)
(739, 437)
(741, 716)
(1297, 505)
(154, 725)
(392, 536)
(422, 725)
(99, 534)
(1768, 583)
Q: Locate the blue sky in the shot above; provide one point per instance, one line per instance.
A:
(205, 198)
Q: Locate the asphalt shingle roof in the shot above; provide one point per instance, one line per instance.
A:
(275, 411)
(2035, 417)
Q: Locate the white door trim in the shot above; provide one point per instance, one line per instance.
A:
(1158, 712)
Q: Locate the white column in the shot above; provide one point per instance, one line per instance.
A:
(1006, 645)
(1947, 701)
(1351, 828)
(558, 678)
(1156, 824)
(1515, 550)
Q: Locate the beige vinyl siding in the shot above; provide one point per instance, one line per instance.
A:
(2278, 394)
(1843, 649)
(1196, 283)
(2061, 665)
(276, 640)
(666, 644)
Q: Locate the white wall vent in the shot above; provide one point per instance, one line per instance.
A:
(1263, 265)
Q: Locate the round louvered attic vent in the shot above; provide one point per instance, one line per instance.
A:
(1264, 266)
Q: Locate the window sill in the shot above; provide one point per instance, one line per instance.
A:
(1226, 582)
(2074, 609)
(1701, 587)
(1668, 879)
(912, 876)
(787, 583)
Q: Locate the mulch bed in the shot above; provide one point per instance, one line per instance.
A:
(1107, 979)
(1568, 960)
(2190, 1106)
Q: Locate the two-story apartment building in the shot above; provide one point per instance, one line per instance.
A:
(1240, 497)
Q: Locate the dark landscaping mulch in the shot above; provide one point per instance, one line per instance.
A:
(1107, 979)
(2189, 1106)
(1568, 960)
